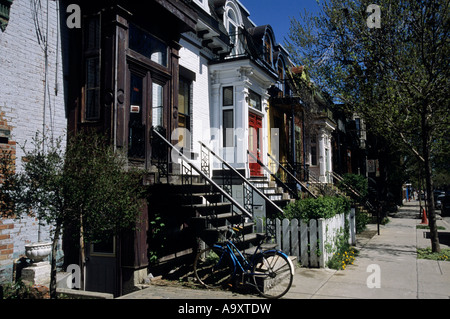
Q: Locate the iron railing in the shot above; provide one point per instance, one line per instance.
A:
(187, 168)
(248, 187)
(295, 180)
(279, 182)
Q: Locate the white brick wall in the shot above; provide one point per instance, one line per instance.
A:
(22, 74)
(22, 67)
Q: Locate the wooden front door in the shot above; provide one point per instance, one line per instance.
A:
(255, 143)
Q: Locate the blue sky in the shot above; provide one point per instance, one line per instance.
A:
(277, 13)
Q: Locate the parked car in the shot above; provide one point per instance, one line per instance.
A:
(445, 205)
(439, 200)
(436, 194)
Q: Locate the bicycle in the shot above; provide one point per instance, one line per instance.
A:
(271, 271)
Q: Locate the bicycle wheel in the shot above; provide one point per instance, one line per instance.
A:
(273, 273)
(213, 267)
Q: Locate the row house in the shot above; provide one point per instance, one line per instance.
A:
(32, 99)
(192, 91)
(156, 88)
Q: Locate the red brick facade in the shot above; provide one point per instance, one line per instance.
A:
(7, 148)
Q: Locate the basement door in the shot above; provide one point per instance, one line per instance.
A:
(101, 267)
(255, 143)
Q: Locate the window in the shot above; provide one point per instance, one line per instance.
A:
(358, 126)
(157, 104)
(106, 247)
(268, 49)
(92, 101)
(228, 99)
(232, 28)
(298, 144)
(92, 68)
(313, 151)
(4, 13)
(228, 117)
(281, 78)
(144, 43)
(184, 104)
(136, 136)
(228, 128)
(254, 100)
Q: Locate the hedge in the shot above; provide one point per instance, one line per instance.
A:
(314, 208)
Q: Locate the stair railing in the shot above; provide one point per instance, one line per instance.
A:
(340, 179)
(248, 187)
(304, 187)
(277, 179)
(188, 169)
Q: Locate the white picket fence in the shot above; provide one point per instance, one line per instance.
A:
(312, 243)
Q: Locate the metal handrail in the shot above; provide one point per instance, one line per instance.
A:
(291, 175)
(210, 181)
(293, 193)
(341, 179)
(243, 178)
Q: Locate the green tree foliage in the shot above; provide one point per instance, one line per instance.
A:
(86, 185)
(354, 182)
(99, 188)
(395, 76)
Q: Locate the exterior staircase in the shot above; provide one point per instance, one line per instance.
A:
(275, 193)
(207, 209)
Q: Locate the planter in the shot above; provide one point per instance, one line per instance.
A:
(38, 251)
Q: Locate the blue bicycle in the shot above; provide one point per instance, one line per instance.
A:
(270, 271)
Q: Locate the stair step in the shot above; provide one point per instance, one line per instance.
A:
(266, 246)
(208, 205)
(222, 229)
(210, 197)
(210, 208)
(268, 190)
(219, 216)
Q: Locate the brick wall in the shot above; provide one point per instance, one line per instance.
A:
(23, 113)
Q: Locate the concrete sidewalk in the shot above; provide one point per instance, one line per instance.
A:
(386, 268)
(393, 255)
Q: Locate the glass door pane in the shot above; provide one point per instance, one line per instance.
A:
(157, 105)
(136, 125)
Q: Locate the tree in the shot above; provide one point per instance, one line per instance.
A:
(103, 196)
(395, 76)
(86, 184)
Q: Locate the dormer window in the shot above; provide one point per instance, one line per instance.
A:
(281, 77)
(232, 21)
(268, 55)
(232, 29)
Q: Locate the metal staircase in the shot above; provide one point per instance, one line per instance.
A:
(207, 202)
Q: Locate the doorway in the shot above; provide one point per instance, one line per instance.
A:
(255, 144)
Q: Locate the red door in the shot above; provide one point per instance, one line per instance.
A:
(255, 143)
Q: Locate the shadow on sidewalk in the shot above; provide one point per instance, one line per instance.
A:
(444, 237)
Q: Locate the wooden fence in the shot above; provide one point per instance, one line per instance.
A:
(313, 243)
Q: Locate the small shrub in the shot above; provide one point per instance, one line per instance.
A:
(362, 218)
(314, 208)
(21, 290)
(344, 256)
